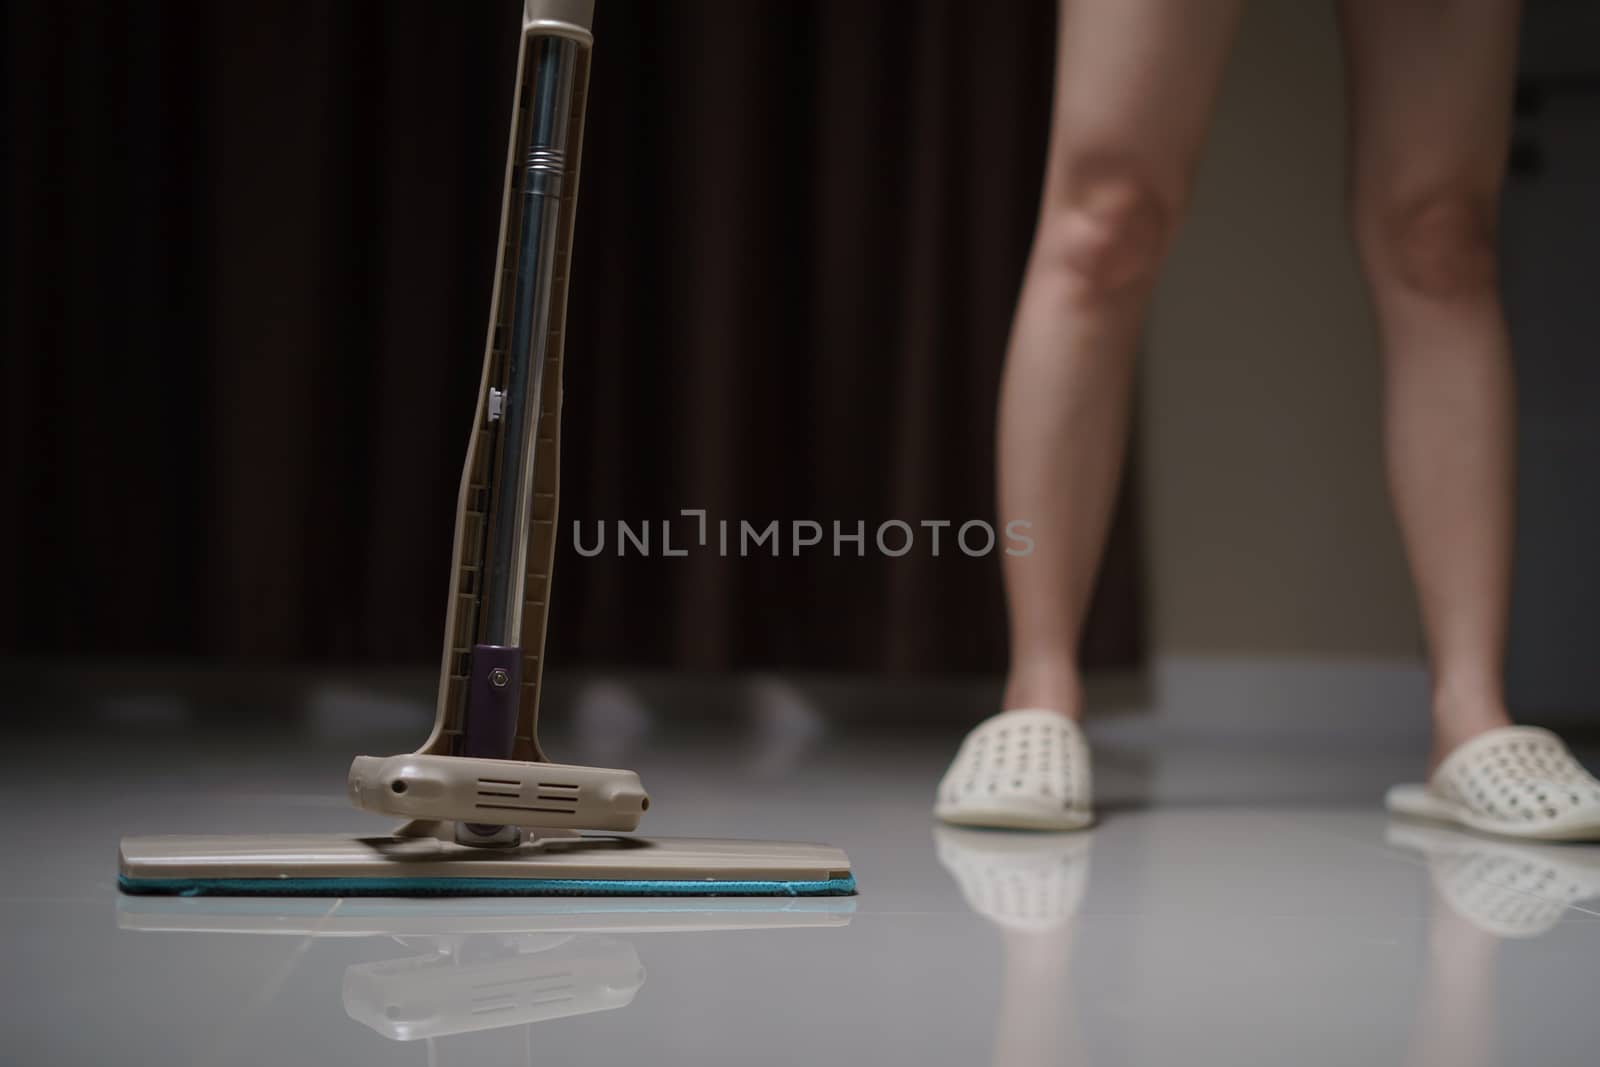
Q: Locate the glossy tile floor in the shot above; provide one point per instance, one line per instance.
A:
(1242, 902)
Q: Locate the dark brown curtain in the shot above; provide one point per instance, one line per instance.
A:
(250, 248)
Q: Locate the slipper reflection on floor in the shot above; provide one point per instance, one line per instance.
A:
(1506, 888)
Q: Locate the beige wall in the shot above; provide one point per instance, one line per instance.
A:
(1268, 530)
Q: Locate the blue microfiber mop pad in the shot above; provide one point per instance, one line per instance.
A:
(482, 887)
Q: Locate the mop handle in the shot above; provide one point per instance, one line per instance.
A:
(505, 522)
(493, 699)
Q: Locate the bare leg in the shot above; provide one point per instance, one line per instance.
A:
(1135, 83)
(1431, 86)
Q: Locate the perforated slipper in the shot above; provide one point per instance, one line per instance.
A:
(1506, 888)
(1517, 781)
(1025, 769)
(1024, 881)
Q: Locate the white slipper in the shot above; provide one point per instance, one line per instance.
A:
(1026, 769)
(1506, 888)
(1028, 882)
(1518, 781)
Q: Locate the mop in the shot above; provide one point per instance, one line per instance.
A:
(488, 813)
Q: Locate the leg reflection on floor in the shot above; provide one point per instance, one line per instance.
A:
(1483, 891)
(1029, 885)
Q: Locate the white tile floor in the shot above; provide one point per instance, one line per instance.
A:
(1240, 904)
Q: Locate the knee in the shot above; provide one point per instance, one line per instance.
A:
(1104, 235)
(1441, 245)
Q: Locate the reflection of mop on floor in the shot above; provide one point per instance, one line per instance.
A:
(481, 982)
(1030, 886)
(1505, 888)
(479, 965)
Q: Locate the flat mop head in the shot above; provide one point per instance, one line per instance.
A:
(336, 865)
(490, 816)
